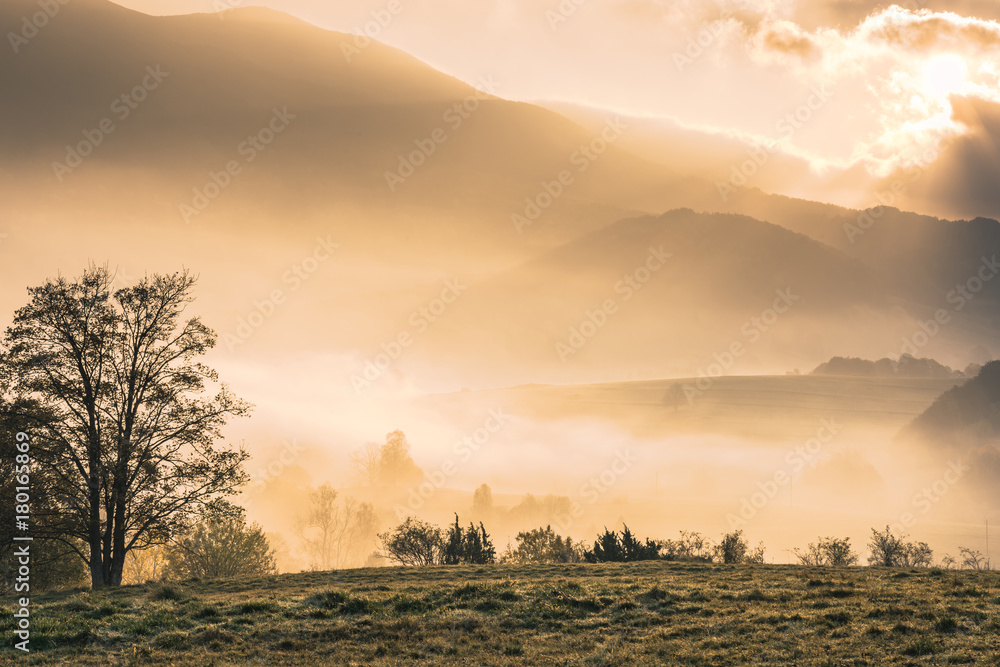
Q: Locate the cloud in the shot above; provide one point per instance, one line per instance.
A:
(925, 30)
(897, 65)
(962, 183)
(787, 38)
(840, 13)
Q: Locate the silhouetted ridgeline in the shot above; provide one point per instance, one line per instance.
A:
(906, 367)
(968, 413)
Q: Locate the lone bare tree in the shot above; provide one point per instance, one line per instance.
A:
(333, 534)
(366, 462)
(122, 435)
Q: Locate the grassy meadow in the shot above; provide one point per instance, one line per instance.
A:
(650, 613)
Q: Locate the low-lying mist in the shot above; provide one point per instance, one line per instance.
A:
(526, 458)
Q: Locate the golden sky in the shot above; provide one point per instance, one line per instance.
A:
(841, 82)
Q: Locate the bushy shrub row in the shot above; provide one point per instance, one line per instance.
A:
(415, 542)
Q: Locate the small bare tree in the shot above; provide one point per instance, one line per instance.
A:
(335, 535)
(973, 560)
(366, 462)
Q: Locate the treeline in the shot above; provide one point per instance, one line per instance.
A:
(416, 542)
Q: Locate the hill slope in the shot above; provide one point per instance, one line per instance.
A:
(788, 299)
(650, 613)
(968, 413)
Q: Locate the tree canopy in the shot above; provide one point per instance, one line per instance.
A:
(121, 430)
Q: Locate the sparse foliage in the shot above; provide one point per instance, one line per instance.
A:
(973, 560)
(888, 550)
(221, 547)
(366, 462)
(734, 549)
(831, 551)
(413, 542)
(142, 565)
(543, 546)
(336, 534)
(690, 547)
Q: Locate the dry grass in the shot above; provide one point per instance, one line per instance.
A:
(637, 614)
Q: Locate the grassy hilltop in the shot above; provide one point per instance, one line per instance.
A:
(651, 613)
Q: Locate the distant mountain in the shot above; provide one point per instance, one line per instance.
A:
(963, 424)
(373, 127)
(925, 257)
(906, 366)
(968, 414)
(543, 218)
(721, 285)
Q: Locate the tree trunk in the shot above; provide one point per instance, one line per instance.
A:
(97, 578)
(118, 543)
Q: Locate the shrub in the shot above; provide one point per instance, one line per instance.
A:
(472, 546)
(973, 560)
(690, 547)
(221, 547)
(542, 545)
(413, 542)
(734, 549)
(888, 550)
(610, 548)
(831, 551)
